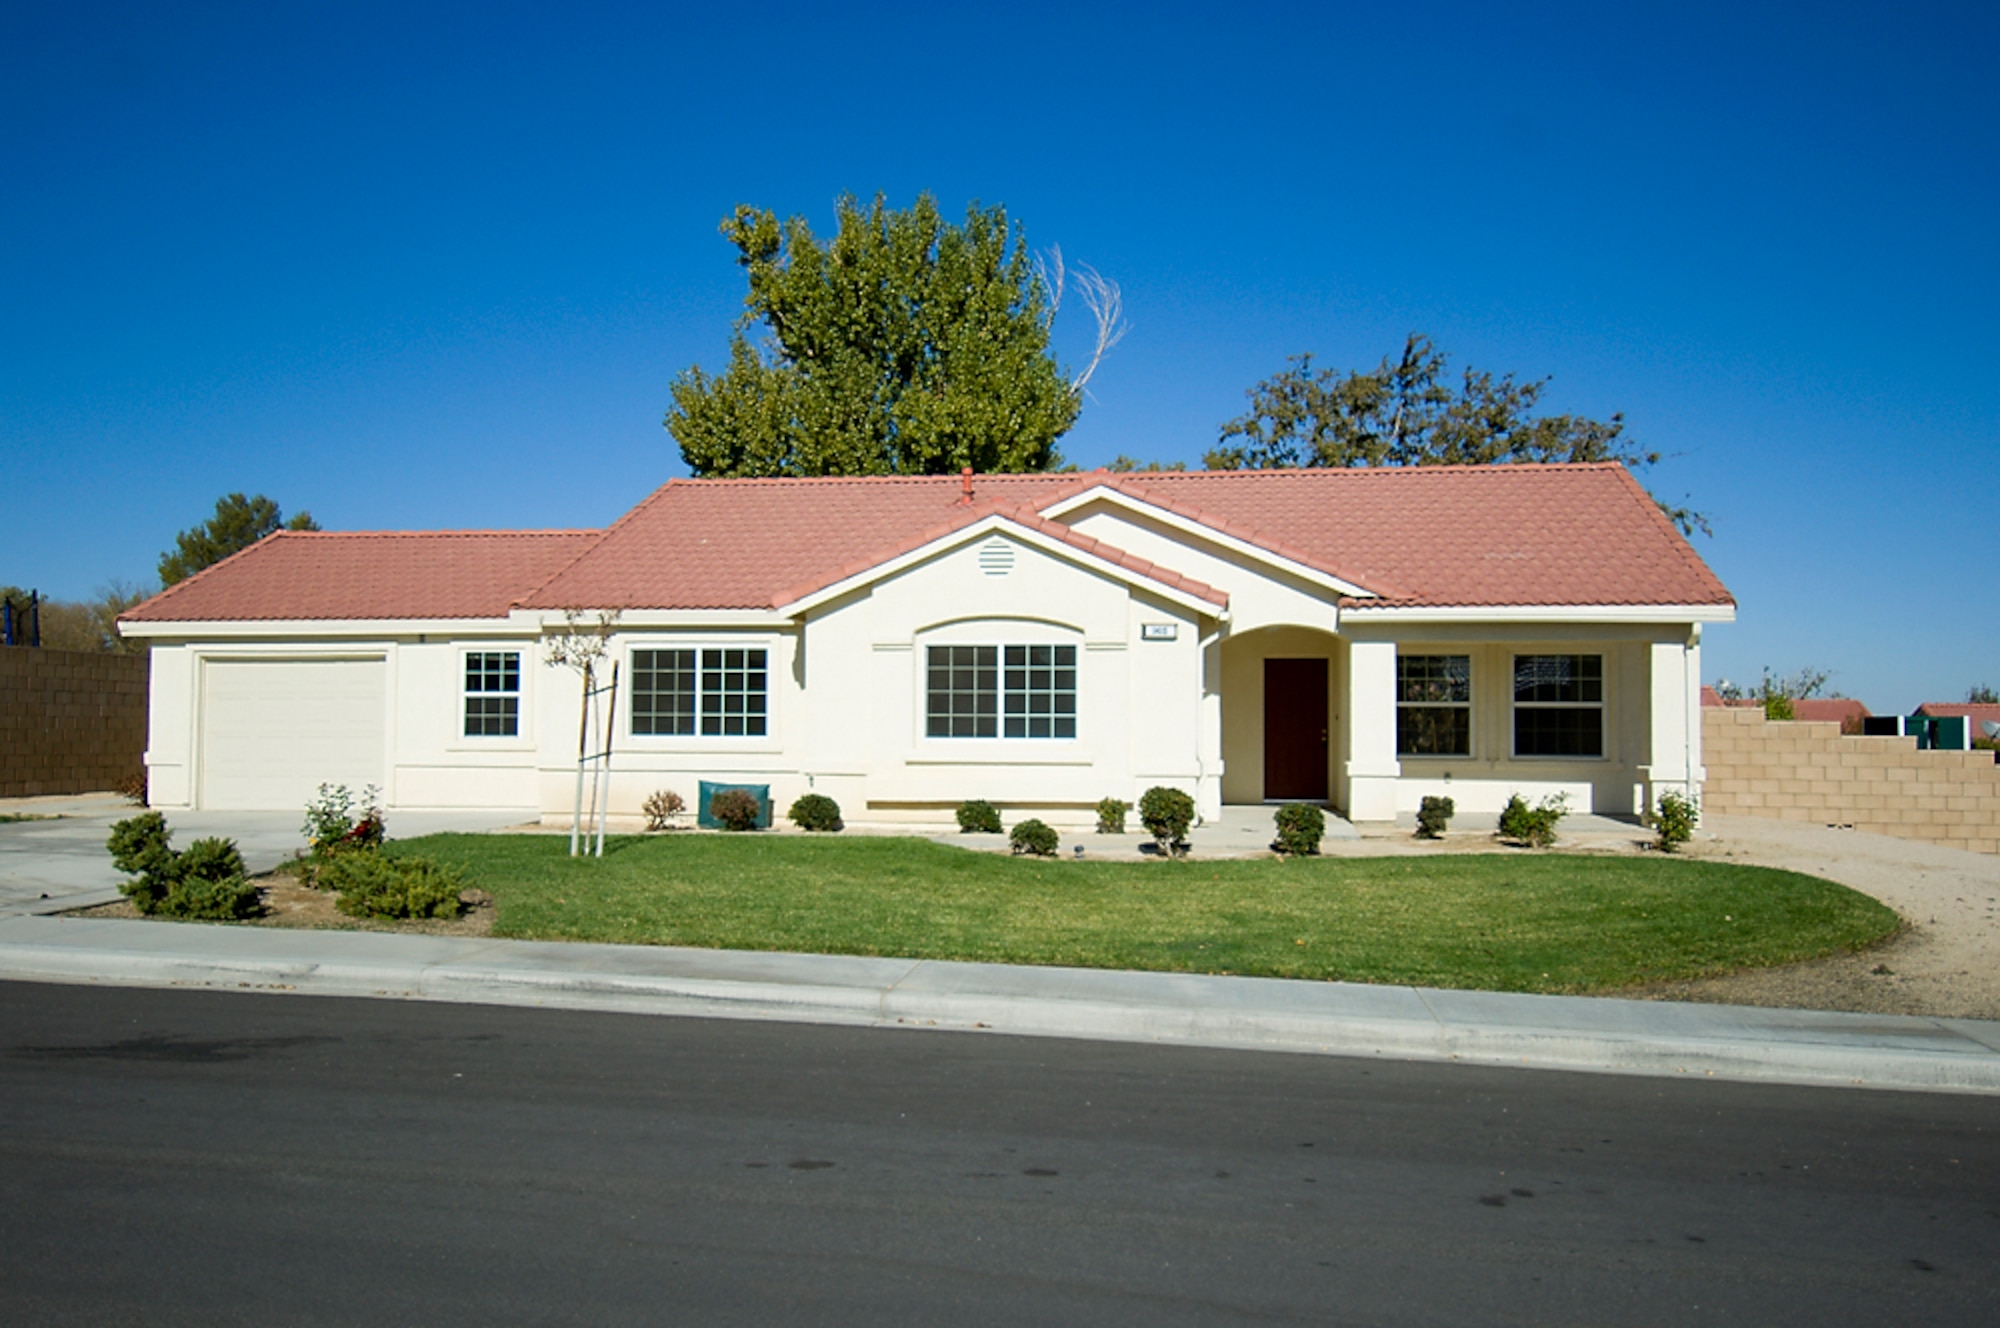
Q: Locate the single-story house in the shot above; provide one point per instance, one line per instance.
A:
(1359, 638)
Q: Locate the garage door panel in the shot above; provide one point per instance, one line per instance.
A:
(273, 731)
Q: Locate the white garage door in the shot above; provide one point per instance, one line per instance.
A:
(273, 731)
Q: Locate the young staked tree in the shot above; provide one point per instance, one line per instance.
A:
(238, 523)
(904, 346)
(1408, 412)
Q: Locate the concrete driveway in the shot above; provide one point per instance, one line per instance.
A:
(61, 862)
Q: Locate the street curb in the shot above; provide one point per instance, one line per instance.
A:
(1584, 1034)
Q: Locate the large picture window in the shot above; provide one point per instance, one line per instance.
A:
(1558, 705)
(1433, 705)
(712, 692)
(493, 694)
(1000, 692)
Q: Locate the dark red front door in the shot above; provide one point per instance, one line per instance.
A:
(1295, 729)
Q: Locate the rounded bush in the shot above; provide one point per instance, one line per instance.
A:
(1674, 821)
(1300, 827)
(372, 885)
(735, 809)
(1433, 815)
(1167, 813)
(976, 816)
(1034, 838)
(139, 846)
(816, 811)
(1533, 826)
(1111, 816)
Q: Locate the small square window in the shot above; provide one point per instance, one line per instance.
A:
(493, 694)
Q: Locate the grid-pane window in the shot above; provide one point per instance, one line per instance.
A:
(493, 694)
(733, 691)
(1039, 690)
(963, 692)
(1558, 705)
(1000, 692)
(713, 693)
(663, 692)
(1434, 705)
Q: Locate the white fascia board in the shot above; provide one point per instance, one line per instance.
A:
(1013, 530)
(551, 620)
(1189, 526)
(1547, 613)
(320, 629)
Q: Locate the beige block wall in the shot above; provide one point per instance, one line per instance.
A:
(1795, 771)
(70, 721)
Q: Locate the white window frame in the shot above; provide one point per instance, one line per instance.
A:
(1600, 705)
(628, 701)
(1002, 693)
(467, 695)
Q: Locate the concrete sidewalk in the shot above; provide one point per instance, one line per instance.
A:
(1344, 1019)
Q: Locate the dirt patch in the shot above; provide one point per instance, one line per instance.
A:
(1946, 964)
(288, 903)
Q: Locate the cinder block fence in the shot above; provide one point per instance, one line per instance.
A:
(70, 721)
(1801, 771)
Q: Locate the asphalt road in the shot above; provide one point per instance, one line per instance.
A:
(207, 1158)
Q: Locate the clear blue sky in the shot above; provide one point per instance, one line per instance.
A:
(422, 266)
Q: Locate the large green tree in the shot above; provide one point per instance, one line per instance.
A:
(905, 345)
(1409, 411)
(238, 523)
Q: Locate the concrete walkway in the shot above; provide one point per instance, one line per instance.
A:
(1345, 1019)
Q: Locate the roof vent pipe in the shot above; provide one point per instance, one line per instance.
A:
(965, 479)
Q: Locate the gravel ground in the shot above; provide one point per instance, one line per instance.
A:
(1947, 964)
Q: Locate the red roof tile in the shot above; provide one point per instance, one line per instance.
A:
(1977, 711)
(1474, 536)
(1455, 535)
(1829, 710)
(369, 574)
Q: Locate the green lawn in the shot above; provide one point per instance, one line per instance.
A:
(1544, 922)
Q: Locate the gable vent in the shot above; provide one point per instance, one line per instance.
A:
(996, 557)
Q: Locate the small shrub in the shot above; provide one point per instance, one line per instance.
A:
(333, 822)
(372, 885)
(662, 807)
(1111, 816)
(1534, 826)
(816, 811)
(735, 809)
(207, 882)
(139, 846)
(1673, 821)
(976, 816)
(1778, 707)
(1167, 813)
(1300, 828)
(1034, 838)
(1433, 815)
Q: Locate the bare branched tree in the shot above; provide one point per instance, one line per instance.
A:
(1100, 295)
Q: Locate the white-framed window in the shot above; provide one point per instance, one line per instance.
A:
(1559, 705)
(492, 693)
(706, 691)
(1000, 691)
(1433, 705)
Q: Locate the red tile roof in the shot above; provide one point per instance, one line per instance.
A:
(297, 574)
(1978, 712)
(1471, 536)
(1829, 710)
(1456, 535)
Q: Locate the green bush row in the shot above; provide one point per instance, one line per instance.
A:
(206, 881)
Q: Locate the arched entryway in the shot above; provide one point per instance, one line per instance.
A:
(1282, 730)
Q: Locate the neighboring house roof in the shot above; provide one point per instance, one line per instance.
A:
(1828, 709)
(1455, 535)
(1512, 535)
(1978, 712)
(1715, 699)
(297, 574)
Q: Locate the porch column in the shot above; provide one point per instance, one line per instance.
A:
(1675, 765)
(1208, 783)
(1372, 768)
